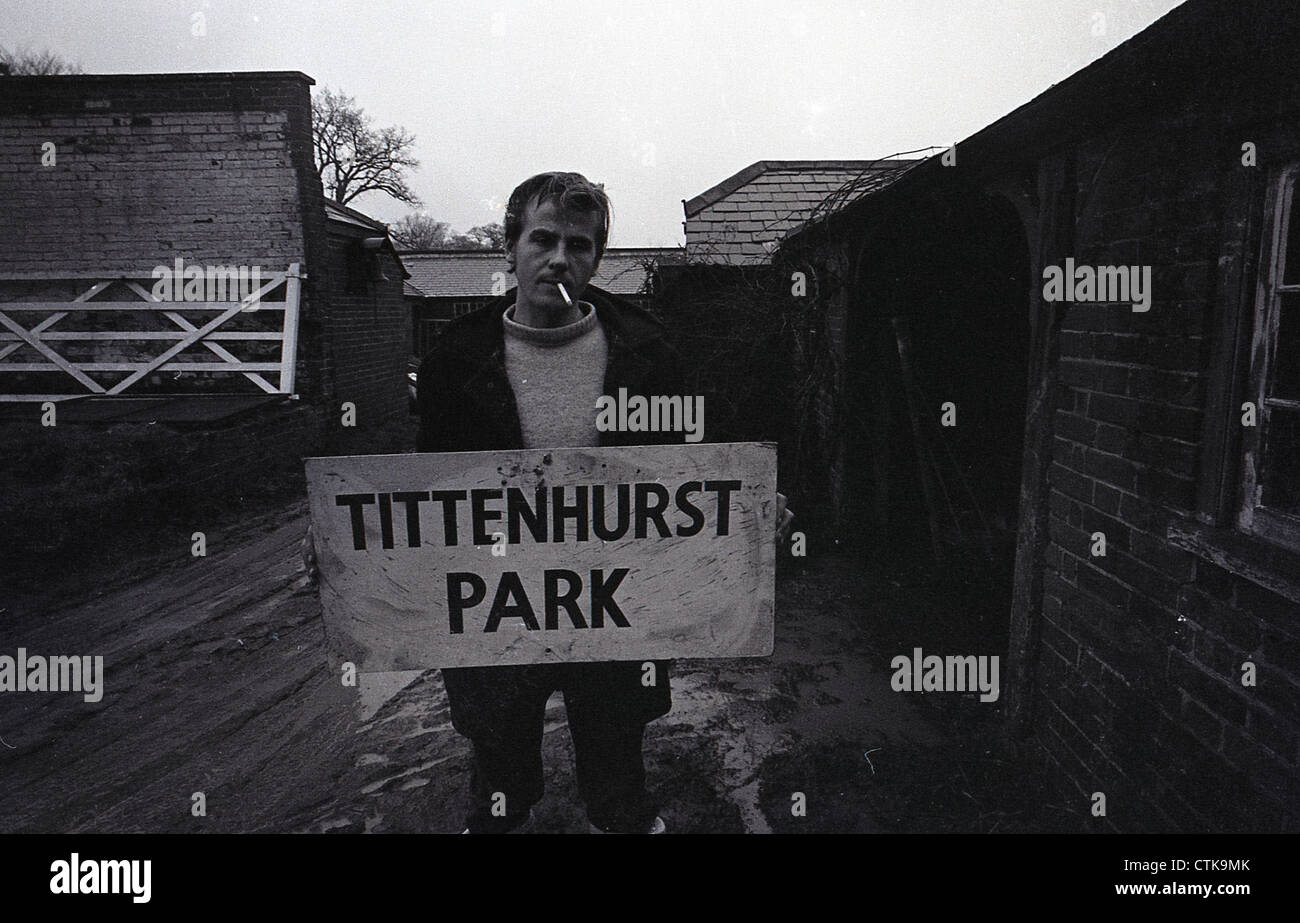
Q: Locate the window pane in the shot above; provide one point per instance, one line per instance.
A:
(1284, 380)
(1281, 469)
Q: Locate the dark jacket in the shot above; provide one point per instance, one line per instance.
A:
(465, 399)
(466, 404)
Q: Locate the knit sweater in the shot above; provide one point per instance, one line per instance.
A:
(557, 375)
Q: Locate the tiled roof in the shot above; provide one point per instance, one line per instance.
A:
(742, 219)
(623, 269)
(468, 273)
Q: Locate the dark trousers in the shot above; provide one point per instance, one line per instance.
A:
(502, 709)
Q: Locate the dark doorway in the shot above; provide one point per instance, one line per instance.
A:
(940, 317)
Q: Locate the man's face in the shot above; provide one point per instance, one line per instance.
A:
(555, 245)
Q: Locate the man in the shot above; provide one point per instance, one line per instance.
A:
(526, 372)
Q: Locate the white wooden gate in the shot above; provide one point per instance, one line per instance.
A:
(203, 328)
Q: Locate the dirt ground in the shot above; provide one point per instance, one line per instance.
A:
(217, 682)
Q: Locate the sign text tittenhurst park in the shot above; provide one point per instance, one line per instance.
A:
(546, 555)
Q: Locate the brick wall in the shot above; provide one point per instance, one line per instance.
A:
(1139, 691)
(1126, 667)
(369, 335)
(149, 169)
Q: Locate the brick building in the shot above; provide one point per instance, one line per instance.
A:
(1164, 673)
(106, 178)
(367, 337)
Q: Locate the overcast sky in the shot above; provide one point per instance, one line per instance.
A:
(659, 101)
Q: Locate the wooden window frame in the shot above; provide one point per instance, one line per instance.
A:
(1263, 551)
(1252, 516)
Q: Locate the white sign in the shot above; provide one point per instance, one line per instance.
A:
(546, 555)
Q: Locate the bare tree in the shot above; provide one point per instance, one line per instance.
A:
(24, 62)
(352, 157)
(420, 232)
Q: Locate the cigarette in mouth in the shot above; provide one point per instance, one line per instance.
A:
(565, 293)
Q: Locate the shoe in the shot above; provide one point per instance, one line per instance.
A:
(656, 826)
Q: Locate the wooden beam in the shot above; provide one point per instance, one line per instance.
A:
(1272, 567)
(228, 366)
(145, 335)
(289, 353)
(1055, 239)
(69, 306)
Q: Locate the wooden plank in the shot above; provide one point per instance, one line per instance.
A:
(235, 366)
(1274, 568)
(145, 335)
(59, 275)
(707, 593)
(1241, 197)
(1050, 239)
(69, 306)
(289, 352)
(273, 281)
(1249, 493)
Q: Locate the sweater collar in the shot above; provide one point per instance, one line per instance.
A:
(550, 336)
(625, 327)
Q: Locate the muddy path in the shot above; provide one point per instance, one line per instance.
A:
(216, 682)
